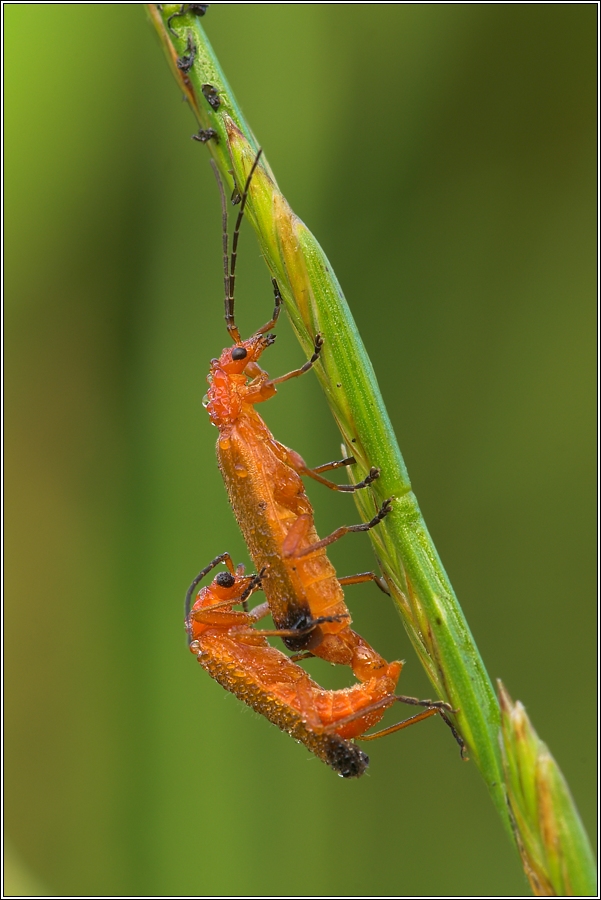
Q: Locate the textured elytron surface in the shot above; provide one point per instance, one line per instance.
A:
(268, 499)
(342, 755)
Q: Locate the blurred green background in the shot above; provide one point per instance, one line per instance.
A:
(445, 158)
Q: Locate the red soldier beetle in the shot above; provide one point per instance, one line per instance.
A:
(263, 481)
(239, 657)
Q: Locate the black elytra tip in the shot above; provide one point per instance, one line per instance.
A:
(346, 758)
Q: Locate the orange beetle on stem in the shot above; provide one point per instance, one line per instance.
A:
(239, 657)
(263, 481)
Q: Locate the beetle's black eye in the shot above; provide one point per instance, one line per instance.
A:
(225, 579)
(239, 353)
